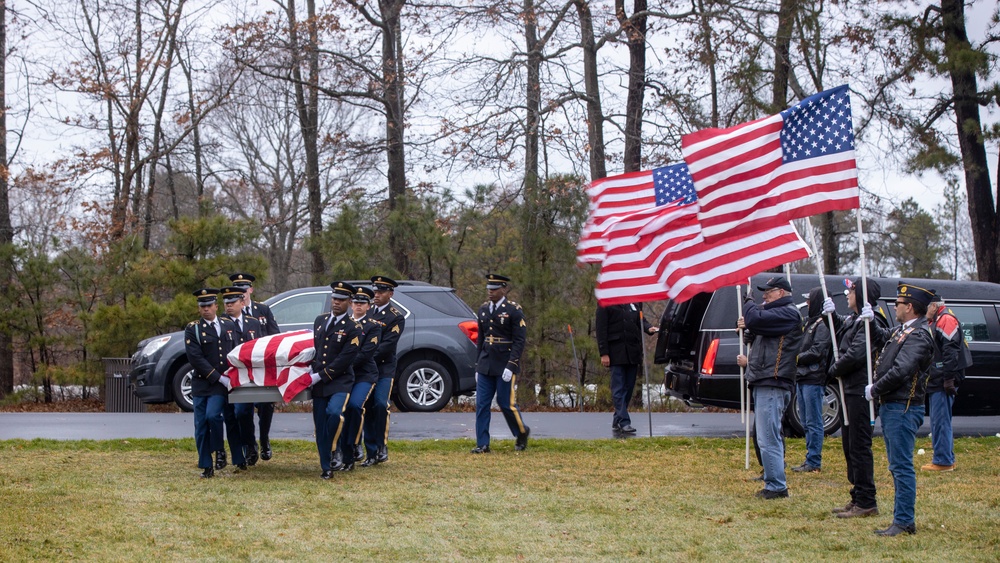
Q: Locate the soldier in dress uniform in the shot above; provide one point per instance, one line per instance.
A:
(207, 342)
(502, 335)
(365, 376)
(900, 380)
(337, 339)
(261, 312)
(376, 424)
(240, 415)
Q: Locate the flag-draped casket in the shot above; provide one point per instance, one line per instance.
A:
(280, 360)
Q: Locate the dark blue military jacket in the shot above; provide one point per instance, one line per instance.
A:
(263, 314)
(502, 335)
(393, 322)
(336, 348)
(206, 352)
(365, 370)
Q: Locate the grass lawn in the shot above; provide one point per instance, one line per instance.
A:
(662, 499)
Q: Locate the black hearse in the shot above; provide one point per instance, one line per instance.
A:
(698, 344)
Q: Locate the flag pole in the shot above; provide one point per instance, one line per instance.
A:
(576, 364)
(868, 332)
(829, 317)
(739, 332)
(645, 370)
(746, 420)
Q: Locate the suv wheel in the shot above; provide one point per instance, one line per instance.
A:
(832, 413)
(424, 386)
(182, 388)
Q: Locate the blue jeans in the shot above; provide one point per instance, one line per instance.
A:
(208, 427)
(328, 416)
(811, 403)
(486, 388)
(941, 436)
(622, 387)
(899, 429)
(376, 424)
(769, 408)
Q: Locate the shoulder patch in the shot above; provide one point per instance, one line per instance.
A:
(395, 311)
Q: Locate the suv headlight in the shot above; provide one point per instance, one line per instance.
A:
(153, 346)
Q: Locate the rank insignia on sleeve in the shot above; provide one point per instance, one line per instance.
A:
(374, 340)
(395, 329)
(522, 323)
(355, 342)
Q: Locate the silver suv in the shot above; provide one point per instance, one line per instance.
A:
(436, 354)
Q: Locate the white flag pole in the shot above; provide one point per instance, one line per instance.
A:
(739, 332)
(833, 331)
(868, 333)
(745, 389)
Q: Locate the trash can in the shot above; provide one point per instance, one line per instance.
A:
(118, 395)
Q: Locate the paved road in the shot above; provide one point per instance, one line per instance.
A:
(406, 426)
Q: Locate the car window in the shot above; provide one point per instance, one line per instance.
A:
(445, 302)
(300, 308)
(973, 321)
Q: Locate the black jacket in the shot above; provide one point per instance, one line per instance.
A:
(336, 348)
(901, 371)
(775, 331)
(817, 346)
(365, 370)
(502, 335)
(393, 322)
(951, 353)
(206, 352)
(618, 334)
(265, 317)
(851, 365)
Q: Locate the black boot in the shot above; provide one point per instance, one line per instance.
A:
(338, 461)
(265, 449)
(359, 452)
(383, 454)
(220, 459)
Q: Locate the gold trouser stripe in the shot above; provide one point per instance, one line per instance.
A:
(361, 425)
(513, 407)
(387, 401)
(340, 426)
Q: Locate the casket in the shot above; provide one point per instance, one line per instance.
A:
(271, 369)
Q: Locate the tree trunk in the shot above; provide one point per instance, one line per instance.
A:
(635, 31)
(6, 228)
(982, 210)
(393, 79)
(782, 66)
(595, 115)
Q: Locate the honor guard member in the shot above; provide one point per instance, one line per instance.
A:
(247, 329)
(365, 376)
(239, 416)
(337, 339)
(207, 342)
(502, 335)
(376, 424)
(900, 380)
(261, 312)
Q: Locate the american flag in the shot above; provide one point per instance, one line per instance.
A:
(617, 202)
(767, 172)
(666, 257)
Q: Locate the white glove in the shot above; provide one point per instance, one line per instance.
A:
(315, 378)
(224, 379)
(868, 392)
(507, 374)
(477, 377)
(828, 306)
(866, 313)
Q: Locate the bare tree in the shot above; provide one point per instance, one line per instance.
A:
(6, 228)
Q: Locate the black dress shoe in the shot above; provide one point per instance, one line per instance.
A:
(806, 468)
(337, 464)
(626, 429)
(481, 450)
(207, 473)
(220, 459)
(896, 529)
(241, 467)
(768, 494)
(521, 443)
(265, 449)
(359, 452)
(346, 467)
(383, 455)
(252, 457)
(369, 462)
(326, 474)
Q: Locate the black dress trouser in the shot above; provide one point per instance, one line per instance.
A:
(857, 440)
